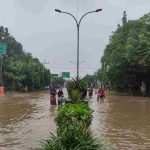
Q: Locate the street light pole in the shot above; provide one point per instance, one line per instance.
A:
(78, 32)
(78, 42)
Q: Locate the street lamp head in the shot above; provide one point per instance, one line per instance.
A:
(97, 10)
(57, 10)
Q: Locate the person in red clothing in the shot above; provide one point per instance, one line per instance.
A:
(101, 93)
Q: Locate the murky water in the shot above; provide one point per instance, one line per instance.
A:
(26, 119)
(124, 121)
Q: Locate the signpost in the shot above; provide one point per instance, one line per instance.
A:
(3, 48)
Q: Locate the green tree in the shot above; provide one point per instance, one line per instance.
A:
(126, 60)
(90, 80)
(20, 70)
(57, 81)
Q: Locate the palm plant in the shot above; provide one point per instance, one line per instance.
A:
(79, 85)
(75, 96)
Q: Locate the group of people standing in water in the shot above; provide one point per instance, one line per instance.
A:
(57, 96)
(100, 93)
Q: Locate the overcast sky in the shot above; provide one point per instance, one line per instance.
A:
(52, 36)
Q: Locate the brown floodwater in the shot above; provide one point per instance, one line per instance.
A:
(124, 121)
(26, 119)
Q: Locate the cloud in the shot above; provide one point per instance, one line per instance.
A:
(83, 4)
(33, 6)
(73, 2)
(52, 36)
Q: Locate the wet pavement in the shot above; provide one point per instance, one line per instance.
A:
(26, 119)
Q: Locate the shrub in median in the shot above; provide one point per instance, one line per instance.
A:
(74, 137)
(70, 112)
(73, 133)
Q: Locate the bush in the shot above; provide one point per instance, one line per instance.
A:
(74, 137)
(70, 112)
(73, 133)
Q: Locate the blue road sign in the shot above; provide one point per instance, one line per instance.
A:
(3, 48)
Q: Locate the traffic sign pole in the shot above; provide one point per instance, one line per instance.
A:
(1, 72)
(3, 48)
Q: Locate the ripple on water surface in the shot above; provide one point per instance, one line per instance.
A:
(124, 120)
(25, 119)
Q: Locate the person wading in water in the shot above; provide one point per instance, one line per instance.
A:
(53, 96)
(101, 94)
(90, 92)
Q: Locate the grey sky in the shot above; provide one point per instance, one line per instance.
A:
(52, 36)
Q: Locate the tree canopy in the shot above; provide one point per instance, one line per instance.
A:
(126, 60)
(57, 81)
(20, 70)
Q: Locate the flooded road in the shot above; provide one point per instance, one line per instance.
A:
(26, 119)
(124, 121)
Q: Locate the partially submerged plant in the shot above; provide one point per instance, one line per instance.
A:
(75, 96)
(74, 137)
(71, 112)
(79, 85)
(73, 131)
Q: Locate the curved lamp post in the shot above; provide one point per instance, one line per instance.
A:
(76, 63)
(78, 30)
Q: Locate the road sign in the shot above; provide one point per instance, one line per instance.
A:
(66, 74)
(3, 48)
